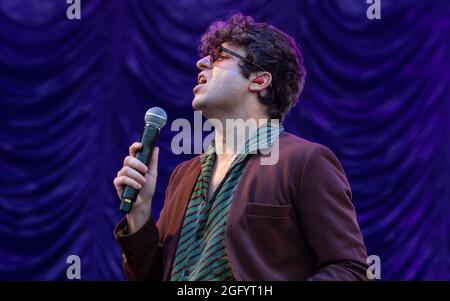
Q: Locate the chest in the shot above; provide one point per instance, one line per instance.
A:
(217, 176)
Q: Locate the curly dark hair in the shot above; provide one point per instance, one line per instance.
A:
(268, 47)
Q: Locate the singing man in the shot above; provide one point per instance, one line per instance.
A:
(226, 214)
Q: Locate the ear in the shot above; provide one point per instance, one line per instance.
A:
(260, 81)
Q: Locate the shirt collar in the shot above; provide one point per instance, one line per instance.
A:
(262, 138)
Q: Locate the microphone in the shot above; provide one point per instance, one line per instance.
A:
(155, 119)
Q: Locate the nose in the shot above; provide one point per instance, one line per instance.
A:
(204, 63)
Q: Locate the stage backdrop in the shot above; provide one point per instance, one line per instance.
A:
(73, 94)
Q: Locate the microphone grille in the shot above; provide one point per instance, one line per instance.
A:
(156, 116)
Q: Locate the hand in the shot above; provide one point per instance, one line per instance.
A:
(131, 175)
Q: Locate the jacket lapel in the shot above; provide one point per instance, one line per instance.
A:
(180, 200)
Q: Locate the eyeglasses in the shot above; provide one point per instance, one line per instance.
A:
(215, 54)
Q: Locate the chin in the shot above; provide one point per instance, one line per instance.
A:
(198, 103)
(195, 104)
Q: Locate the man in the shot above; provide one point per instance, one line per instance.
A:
(226, 215)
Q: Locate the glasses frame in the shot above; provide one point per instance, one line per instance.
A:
(215, 53)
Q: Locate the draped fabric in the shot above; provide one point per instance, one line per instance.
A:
(73, 94)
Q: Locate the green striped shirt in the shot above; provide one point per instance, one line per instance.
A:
(201, 253)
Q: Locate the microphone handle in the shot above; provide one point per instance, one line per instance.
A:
(148, 141)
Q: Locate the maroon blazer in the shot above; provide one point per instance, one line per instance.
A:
(290, 221)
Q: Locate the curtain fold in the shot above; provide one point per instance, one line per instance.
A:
(73, 94)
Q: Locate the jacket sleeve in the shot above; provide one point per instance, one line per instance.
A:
(142, 251)
(328, 218)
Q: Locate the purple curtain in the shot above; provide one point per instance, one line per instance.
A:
(73, 94)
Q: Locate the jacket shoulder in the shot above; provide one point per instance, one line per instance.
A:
(298, 146)
(185, 167)
(297, 151)
(189, 164)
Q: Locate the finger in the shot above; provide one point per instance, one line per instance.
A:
(135, 164)
(118, 186)
(132, 173)
(153, 165)
(124, 180)
(134, 148)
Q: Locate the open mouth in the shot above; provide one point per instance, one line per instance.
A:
(201, 80)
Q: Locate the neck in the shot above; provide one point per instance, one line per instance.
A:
(232, 134)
